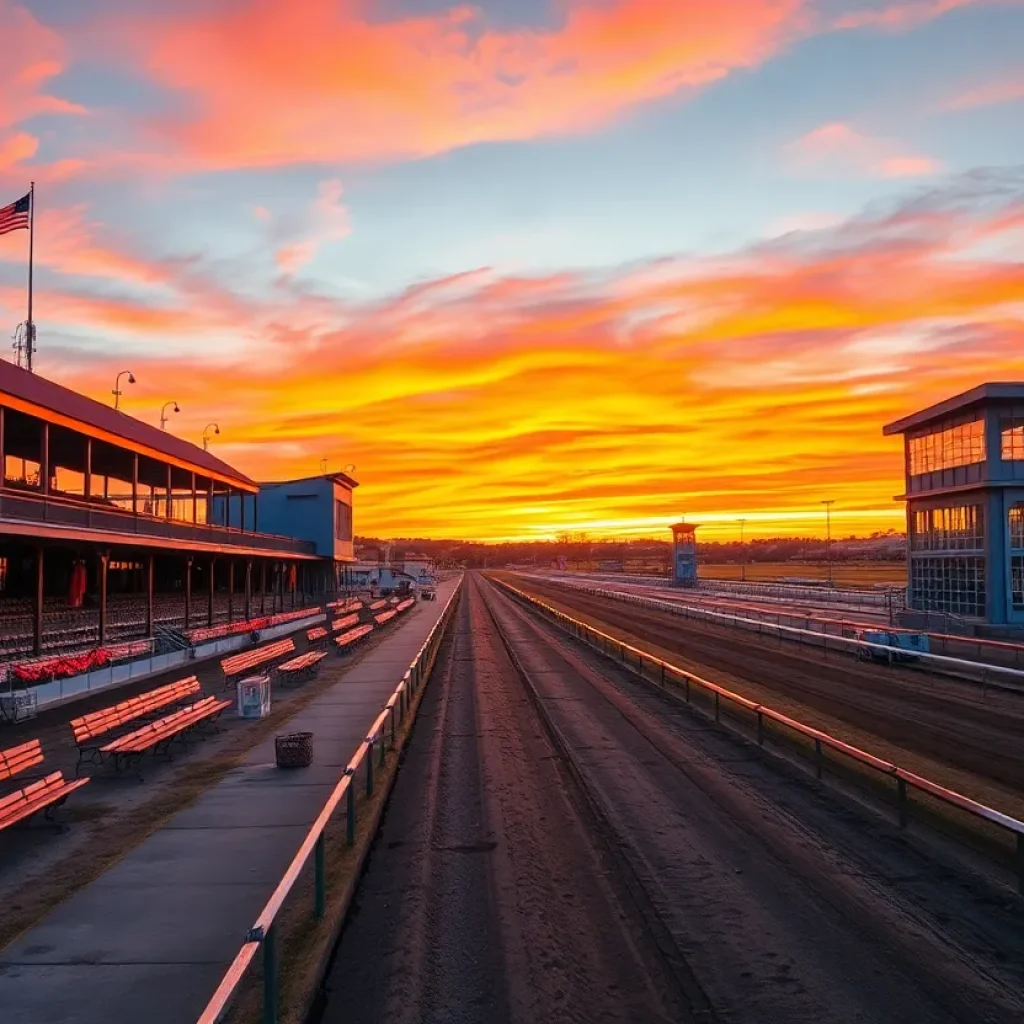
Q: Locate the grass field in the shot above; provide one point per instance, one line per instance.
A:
(860, 574)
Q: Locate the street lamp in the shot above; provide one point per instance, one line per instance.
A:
(163, 414)
(206, 435)
(348, 469)
(828, 503)
(743, 553)
(117, 386)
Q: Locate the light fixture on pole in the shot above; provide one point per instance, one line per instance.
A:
(117, 386)
(163, 414)
(828, 503)
(351, 466)
(323, 465)
(206, 435)
(743, 552)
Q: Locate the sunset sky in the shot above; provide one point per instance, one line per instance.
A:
(531, 265)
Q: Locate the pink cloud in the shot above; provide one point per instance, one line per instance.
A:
(837, 149)
(328, 222)
(901, 16)
(988, 95)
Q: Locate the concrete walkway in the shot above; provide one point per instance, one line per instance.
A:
(150, 939)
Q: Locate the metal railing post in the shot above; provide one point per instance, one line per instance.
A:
(760, 728)
(817, 758)
(1020, 862)
(717, 706)
(663, 675)
(350, 813)
(901, 796)
(269, 947)
(320, 884)
(369, 766)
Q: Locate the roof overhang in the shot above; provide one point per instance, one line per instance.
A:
(1004, 391)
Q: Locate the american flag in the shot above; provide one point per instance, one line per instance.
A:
(15, 216)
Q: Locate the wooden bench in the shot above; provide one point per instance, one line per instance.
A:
(344, 623)
(382, 617)
(346, 640)
(316, 634)
(238, 664)
(405, 605)
(377, 605)
(160, 733)
(93, 730)
(302, 667)
(45, 794)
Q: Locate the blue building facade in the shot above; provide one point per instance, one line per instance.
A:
(684, 554)
(964, 470)
(317, 509)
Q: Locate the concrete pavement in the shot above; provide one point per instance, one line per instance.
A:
(149, 940)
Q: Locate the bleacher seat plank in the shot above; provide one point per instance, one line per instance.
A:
(382, 617)
(316, 634)
(20, 758)
(405, 605)
(344, 623)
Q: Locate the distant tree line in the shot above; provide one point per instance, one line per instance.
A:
(581, 551)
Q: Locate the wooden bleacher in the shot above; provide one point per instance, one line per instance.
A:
(45, 794)
(238, 664)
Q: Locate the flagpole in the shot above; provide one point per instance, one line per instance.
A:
(31, 253)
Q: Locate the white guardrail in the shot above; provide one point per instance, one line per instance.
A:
(665, 673)
(975, 671)
(380, 737)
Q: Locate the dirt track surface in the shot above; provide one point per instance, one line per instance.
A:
(565, 844)
(938, 717)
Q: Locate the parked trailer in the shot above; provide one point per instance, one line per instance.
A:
(872, 640)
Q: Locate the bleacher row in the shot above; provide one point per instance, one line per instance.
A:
(66, 628)
(123, 733)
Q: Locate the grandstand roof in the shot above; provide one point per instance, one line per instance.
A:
(40, 397)
(998, 391)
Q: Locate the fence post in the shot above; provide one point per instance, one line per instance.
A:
(392, 731)
(320, 880)
(369, 765)
(901, 794)
(687, 680)
(760, 728)
(717, 707)
(380, 740)
(350, 810)
(663, 675)
(1020, 862)
(269, 946)
(817, 757)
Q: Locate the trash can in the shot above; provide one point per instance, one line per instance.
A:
(254, 697)
(293, 750)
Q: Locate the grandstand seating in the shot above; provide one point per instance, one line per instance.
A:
(346, 640)
(44, 794)
(238, 664)
(94, 730)
(298, 669)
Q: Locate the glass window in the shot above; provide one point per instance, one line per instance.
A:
(1011, 437)
(953, 585)
(961, 445)
(953, 528)
(1017, 526)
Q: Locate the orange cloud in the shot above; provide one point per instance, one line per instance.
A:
(371, 88)
(485, 406)
(328, 223)
(838, 149)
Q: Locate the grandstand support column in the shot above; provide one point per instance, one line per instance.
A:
(195, 501)
(135, 483)
(255, 514)
(37, 604)
(170, 488)
(3, 457)
(209, 593)
(263, 587)
(231, 590)
(248, 589)
(149, 595)
(209, 503)
(87, 483)
(241, 511)
(188, 590)
(44, 458)
(104, 562)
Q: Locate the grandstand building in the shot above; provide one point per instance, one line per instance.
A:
(111, 529)
(964, 466)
